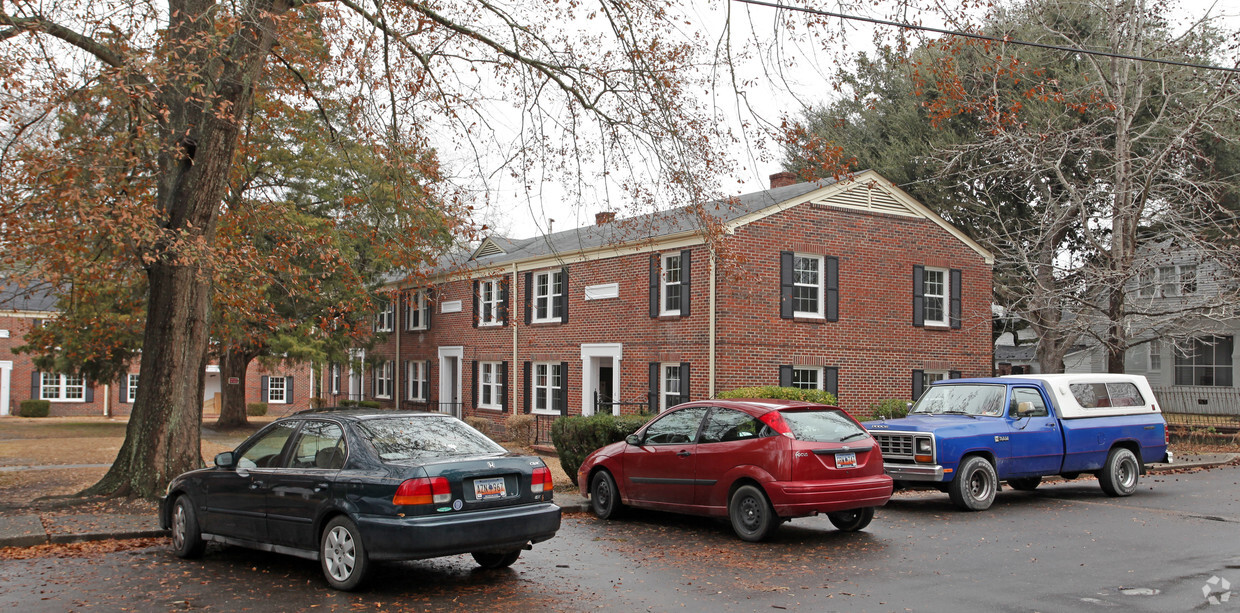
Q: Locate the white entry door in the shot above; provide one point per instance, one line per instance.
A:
(6, 380)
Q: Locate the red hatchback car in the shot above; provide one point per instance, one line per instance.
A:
(756, 462)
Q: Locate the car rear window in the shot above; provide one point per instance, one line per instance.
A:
(419, 438)
(822, 426)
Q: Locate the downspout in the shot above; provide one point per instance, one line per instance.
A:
(512, 372)
(396, 388)
(711, 324)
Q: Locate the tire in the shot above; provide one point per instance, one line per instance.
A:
(492, 559)
(605, 496)
(1119, 475)
(1026, 484)
(753, 519)
(186, 534)
(975, 485)
(1070, 476)
(852, 520)
(342, 555)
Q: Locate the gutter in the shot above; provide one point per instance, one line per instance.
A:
(512, 372)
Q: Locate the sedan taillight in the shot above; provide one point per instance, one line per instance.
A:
(426, 490)
(542, 480)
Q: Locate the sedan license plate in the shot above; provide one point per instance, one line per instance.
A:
(486, 489)
(845, 460)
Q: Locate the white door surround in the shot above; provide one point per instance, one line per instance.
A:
(593, 357)
(450, 360)
(6, 386)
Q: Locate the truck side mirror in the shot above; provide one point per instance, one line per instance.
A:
(1024, 409)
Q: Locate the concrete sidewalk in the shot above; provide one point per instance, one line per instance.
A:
(38, 528)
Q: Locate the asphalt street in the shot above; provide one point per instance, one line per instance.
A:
(1172, 546)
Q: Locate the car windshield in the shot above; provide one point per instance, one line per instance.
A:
(420, 438)
(961, 400)
(822, 426)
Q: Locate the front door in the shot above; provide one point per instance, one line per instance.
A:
(661, 471)
(605, 397)
(236, 498)
(1035, 440)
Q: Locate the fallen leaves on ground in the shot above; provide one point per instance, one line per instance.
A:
(78, 550)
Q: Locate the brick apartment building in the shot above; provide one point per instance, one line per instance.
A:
(285, 388)
(850, 286)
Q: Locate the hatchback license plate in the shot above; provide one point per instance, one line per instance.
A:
(845, 460)
(486, 489)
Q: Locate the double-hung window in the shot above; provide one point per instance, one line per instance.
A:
(934, 296)
(384, 372)
(277, 390)
(1168, 281)
(131, 388)
(383, 318)
(1155, 355)
(670, 386)
(417, 315)
(669, 285)
(807, 377)
(548, 296)
(416, 375)
(807, 285)
(548, 383)
(1147, 283)
(1188, 279)
(62, 388)
(490, 385)
(490, 299)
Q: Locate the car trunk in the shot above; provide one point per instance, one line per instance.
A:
(830, 445)
(485, 482)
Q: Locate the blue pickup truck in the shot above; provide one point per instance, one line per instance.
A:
(964, 436)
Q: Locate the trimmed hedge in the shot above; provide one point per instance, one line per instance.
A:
(34, 408)
(521, 429)
(780, 393)
(347, 404)
(370, 404)
(256, 409)
(891, 408)
(576, 437)
(480, 424)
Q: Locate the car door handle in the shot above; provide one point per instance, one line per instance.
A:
(1050, 426)
(318, 487)
(684, 454)
(255, 484)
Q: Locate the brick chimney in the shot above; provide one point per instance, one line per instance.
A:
(783, 179)
(604, 217)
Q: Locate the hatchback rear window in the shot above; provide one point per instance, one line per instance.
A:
(417, 438)
(826, 426)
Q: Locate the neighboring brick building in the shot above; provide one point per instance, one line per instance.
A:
(286, 388)
(850, 286)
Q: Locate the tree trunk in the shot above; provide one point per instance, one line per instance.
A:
(162, 440)
(233, 365)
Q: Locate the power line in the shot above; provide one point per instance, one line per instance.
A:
(996, 39)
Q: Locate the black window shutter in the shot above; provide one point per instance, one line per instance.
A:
(503, 385)
(262, 387)
(374, 381)
(685, 282)
(563, 393)
(124, 398)
(288, 389)
(90, 393)
(529, 391)
(408, 392)
(831, 383)
(430, 308)
(561, 303)
(919, 380)
(955, 298)
(529, 297)
(919, 297)
(653, 397)
(832, 288)
(785, 375)
(785, 284)
(473, 382)
(953, 374)
(35, 391)
(477, 313)
(684, 382)
(503, 301)
(654, 285)
(426, 381)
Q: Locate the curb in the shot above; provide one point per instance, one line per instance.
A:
(63, 539)
(574, 504)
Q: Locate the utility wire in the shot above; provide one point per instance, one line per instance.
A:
(996, 39)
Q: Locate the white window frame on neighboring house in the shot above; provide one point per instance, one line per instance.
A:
(671, 271)
(415, 374)
(547, 381)
(385, 315)
(490, 298)
(490, 386)
(547, 290)
(1187, 279)
(1147, 283)
(59, 387)
(808, 284)
(416, 310)
(1168, 281)
(1154, 356)
(272, 388)
(666, 380)
(940, 298)
(807, 377)
(384, 376)
(131, 392)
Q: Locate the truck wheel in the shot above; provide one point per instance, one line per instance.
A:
(975, 484)
(1026, 484)
(752, 517)
(852, 520)
(604, 496)
(1119, 475)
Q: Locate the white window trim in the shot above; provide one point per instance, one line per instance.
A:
(820, 287)
(495, 303)
(283, 390)
(132, 391)
(335, 376)
(664, 283)
(497, 403)
(1153, 352)
(820, 375)
(384, 376)
(383, 319)
(926, 381)
(663, 381)
(416, 303)
(415, 372)
(62, 388)
(550, 296)
(1179, 277)
(552, 391)
(946, 296)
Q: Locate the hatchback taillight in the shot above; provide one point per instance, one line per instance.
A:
(542, 480)
(426, 490)
(777, 423)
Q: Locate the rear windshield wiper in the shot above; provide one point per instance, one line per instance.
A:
(852, 436)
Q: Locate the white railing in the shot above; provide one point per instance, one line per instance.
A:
(1199, 399)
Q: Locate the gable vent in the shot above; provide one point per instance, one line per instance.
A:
(866, 198)
(488, 247)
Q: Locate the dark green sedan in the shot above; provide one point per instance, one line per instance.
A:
(352, 487)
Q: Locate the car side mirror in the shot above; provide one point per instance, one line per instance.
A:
(1024, 409)
(225, 460)
(633, 440)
